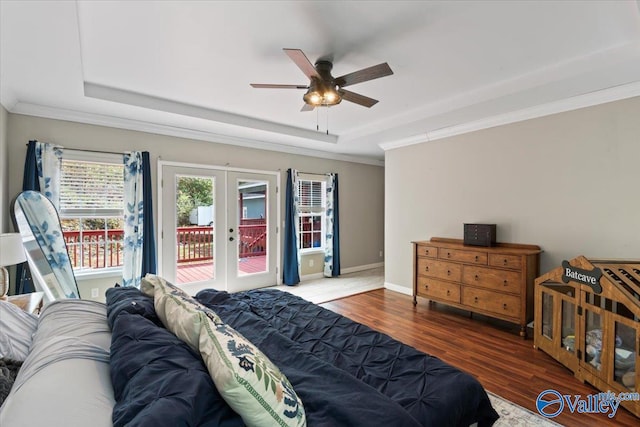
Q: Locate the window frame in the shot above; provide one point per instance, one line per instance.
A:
(82, 214)
(309, 211)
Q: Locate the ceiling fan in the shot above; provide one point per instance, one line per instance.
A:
(324, 89)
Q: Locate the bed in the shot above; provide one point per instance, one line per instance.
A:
(146, 358)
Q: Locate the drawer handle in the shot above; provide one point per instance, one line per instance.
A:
(504, 306)
(476, 277)
(426, 252)
(426, 287)
(476, 258)
(475, 299)
(448, 272)
(505, 283)
(426, 268)
(448, 293)
(505, 262)
(448, 254)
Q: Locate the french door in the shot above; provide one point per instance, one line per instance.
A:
(218, 228)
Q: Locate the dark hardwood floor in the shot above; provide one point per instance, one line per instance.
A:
(488, 349)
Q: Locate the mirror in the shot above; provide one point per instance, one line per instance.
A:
(35, 217)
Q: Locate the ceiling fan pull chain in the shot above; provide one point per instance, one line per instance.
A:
(328, 120)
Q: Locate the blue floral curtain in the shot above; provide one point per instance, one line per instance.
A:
(291, 262)
(332, 235)
(49, 163)
(139, 242)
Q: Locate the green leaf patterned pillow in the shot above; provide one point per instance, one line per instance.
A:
(245, 377)
(176, 309)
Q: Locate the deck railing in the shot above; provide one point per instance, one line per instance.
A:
(94, 248)
(101, 249)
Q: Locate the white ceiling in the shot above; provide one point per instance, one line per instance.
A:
(184, 68)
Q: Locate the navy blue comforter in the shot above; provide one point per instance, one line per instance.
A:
(345, 373)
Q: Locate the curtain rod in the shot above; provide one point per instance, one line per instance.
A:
(314, 173)
(93, 151)
(88, 151)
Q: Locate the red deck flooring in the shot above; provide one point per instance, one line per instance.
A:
(203, 270)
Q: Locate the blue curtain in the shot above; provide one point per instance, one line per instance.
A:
(290, 273)
(149, 241)
(30, 181)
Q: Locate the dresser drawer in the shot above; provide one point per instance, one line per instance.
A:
(502, 280)
(500, 304)
(439, 269)
(473, 257)
(434, 288)
(506, 261)
(428, 251)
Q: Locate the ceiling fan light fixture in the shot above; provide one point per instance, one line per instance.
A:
(332, 97)
(312, 97)
(324, 89)
(319, 95)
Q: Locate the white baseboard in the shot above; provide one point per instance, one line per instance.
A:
(361, 268)
(311, 276)
(398, 288)
(347, 270)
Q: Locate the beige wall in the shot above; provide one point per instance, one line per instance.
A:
(4, 171)
(361, 186)
(569, 183)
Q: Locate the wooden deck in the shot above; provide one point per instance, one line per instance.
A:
(203, 270)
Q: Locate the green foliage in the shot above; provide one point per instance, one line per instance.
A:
(191, 193)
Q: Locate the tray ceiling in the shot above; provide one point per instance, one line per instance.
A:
(184, 68)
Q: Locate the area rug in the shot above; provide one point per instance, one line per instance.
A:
(328, 289)
(513, 415)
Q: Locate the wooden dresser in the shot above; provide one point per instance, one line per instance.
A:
(495, 281)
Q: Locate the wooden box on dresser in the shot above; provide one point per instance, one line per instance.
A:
(495, 281)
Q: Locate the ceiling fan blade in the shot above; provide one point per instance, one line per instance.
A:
(356, 98)
(271, 86)
(302, 62)
(364, 75)
(307, 107)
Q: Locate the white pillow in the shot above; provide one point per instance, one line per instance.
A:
(245, 377)
(16, 331)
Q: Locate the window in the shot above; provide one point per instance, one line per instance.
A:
(91, 209)
(311, 214)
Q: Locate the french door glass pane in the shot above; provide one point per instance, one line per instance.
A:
(252, 226)
(195, 228)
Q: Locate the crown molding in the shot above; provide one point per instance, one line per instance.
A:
(591, 99)
(412, 140)
(107, 93)
(47, 112)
